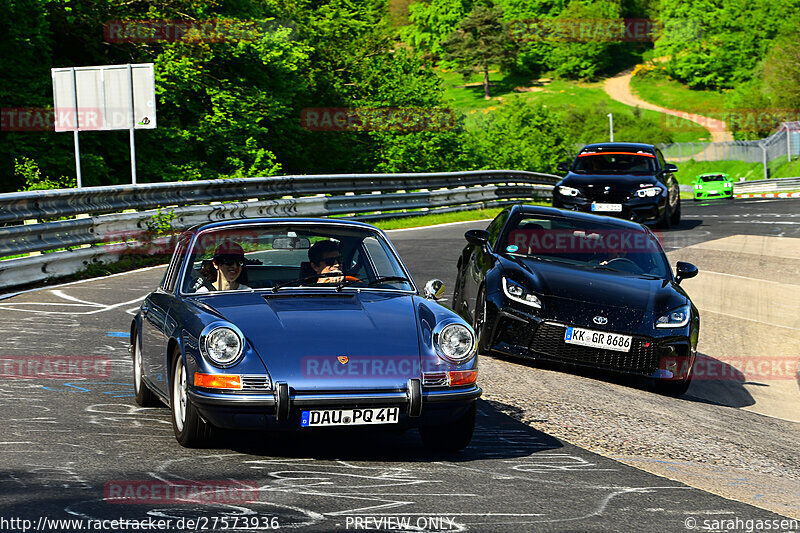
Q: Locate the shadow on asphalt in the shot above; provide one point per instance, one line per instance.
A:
(720, 383)
(498, 435)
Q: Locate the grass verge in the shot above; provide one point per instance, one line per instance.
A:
(565, 97)
(689, 170)
(671, 94)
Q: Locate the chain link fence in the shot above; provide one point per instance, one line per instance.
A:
(784, 143)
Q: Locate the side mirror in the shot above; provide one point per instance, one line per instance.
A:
(669, 167)
(434, 289)
(563, 167)
(478, 237)
(685, 271)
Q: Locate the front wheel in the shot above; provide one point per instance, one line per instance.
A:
(144, 396)
(675, 219)
(190, 430)
(457, 292)
(672, 388)
(451, 437)
(479, 322)
(664, 221)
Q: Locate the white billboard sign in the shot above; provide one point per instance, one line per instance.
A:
(103, 98)
(106, 97)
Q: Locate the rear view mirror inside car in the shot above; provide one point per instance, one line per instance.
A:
(290, 243)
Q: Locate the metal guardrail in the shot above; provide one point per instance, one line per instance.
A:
(774, 184)
(104, 232)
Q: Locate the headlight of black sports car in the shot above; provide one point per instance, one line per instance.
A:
(455, 342)
(649, 192)
(518, 293)
(568, 191)
(222, 344)
(676, 318)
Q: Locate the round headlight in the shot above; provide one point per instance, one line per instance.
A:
(223, 346)
(455, 342)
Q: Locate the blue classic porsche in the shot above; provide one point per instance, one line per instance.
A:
(298, 324)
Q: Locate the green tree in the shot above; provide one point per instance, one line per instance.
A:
(481, 41)
(522, 136)
(431, 22)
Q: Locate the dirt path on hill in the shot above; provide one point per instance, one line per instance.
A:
(619, 89)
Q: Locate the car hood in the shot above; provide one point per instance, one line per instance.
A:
(301, 337)
(575, 295)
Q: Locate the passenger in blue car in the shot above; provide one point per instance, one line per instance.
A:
(227, 271)
(326, 261)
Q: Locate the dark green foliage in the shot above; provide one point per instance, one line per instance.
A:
(521, 136)
(481, 40)
(735, 36)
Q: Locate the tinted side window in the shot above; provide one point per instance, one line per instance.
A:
(496, 227)
(660, 158)
(168, 283)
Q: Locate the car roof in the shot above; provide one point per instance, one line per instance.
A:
(575, 215)
(284, 220)
(619, 146)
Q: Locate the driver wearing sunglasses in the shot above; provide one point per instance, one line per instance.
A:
(326, 260)
(228, 268)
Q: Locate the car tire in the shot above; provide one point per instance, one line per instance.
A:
(191, 431)
(451, 437)
(457, 292)
(664, 221)
(672, 388)
(143, 395)
(675, 219)
(479, 321)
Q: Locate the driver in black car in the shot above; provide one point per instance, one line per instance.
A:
(326, 260)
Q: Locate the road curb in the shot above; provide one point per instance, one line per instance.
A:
(770, 195)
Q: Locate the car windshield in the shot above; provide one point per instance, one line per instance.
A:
(713, 178)
(585, 244)
(279, 257)
(615, 163)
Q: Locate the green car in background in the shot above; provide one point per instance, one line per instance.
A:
(712, 186)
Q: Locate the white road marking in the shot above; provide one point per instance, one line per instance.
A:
(74, 302)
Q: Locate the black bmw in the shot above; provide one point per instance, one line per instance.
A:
(580, 289)
(626, 180)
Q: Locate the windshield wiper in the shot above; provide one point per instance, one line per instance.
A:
(379, 279)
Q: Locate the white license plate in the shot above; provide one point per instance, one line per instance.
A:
(350, 417)
(617, 208)
(598, 339)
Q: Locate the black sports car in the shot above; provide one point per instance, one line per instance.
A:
(581, 289)
(626, 180)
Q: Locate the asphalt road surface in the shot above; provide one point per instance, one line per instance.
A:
(69, 447)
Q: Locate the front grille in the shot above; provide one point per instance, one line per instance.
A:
(256, 383)
(435, 379)
(548, 342)
(598, 194)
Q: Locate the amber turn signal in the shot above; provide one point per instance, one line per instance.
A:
(463, 377)
(218, 381)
